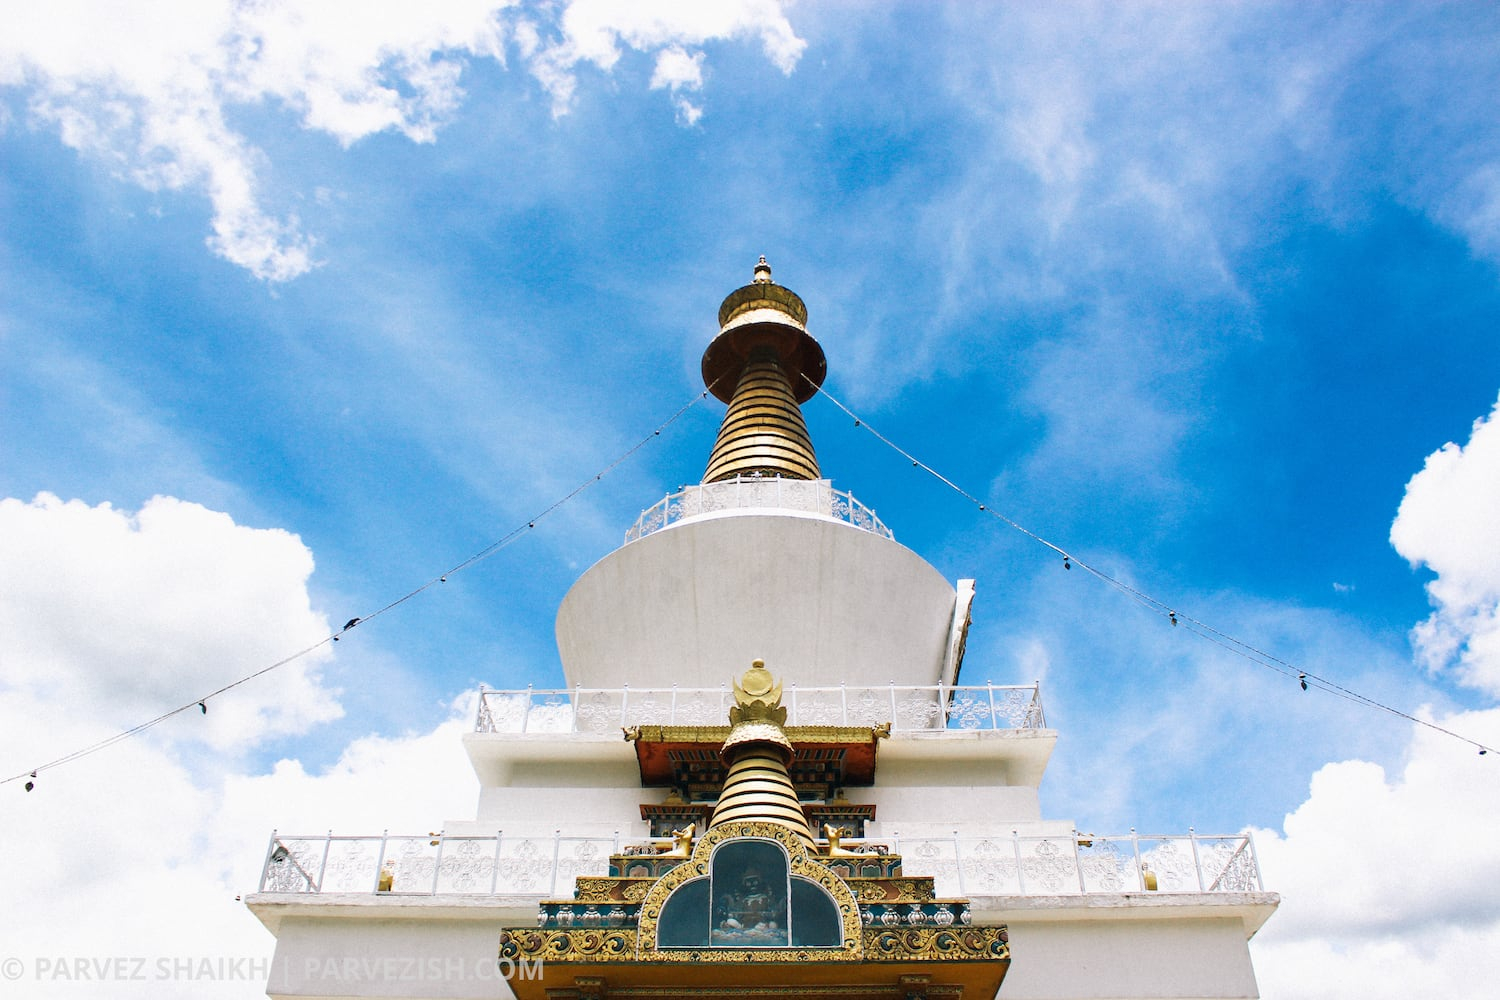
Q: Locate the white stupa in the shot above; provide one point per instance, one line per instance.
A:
(917, 793)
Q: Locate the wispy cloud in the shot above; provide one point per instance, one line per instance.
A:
(151, 88)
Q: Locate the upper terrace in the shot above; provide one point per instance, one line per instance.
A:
(908, 709)
(804, 496)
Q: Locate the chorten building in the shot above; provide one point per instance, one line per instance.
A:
(766, 776)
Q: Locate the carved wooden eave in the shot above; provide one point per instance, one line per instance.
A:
(823, 758)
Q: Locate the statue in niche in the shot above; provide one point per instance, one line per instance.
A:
(752, 912)
(750, 896)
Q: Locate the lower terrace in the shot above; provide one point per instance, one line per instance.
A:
(1081, 864)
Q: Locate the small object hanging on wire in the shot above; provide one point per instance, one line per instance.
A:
(1302, 679)
(203, 707)
(1067, 564)
(31, 784)
(1172, 615)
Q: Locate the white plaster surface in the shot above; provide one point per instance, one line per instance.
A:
(965, 757)
(821, 601)
(604, 760)
(937, 812)
(1092, 959)
(398, 958)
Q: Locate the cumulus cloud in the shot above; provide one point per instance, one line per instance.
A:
(1448, 522)
(148, 87)
(1387, 879)
(119, 616)
(110, 616)
(179, 848)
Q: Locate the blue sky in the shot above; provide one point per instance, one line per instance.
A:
(1194, 291)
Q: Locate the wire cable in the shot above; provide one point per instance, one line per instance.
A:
(507, 539)
(1202, 629)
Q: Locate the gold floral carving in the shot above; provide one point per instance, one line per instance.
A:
(965, 944)
(912, 889)
(601, 889)
(576, 945)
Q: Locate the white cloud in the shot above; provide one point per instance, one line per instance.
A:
(593, 31)
(159, 879)
(1448, 522)
(147, 87)
(1387, 881)
(143, 87)
(678, 69)
(121, 616)
(140, 850)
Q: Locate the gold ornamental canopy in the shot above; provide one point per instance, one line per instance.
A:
(763, 363)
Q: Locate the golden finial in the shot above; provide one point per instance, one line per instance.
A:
(762, 271)
(757, 697)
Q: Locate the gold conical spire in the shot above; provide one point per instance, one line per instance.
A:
(763, 364)
(757, 786)
(763, 432)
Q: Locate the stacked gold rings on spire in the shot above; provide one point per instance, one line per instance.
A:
(756, 364)
(763, 432)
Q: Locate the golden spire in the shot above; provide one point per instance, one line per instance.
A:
(757, 786)
(756, 364)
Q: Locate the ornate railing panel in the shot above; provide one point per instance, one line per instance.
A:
(963, 867)
(1082, 863)
(433, 864)
(811, 496)
(908, 709)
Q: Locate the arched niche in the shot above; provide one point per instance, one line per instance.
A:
(750, 898)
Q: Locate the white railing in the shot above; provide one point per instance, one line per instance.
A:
(963, 867)
(1082, 863)
(434, 863)
(811, 496)
(906, 708)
